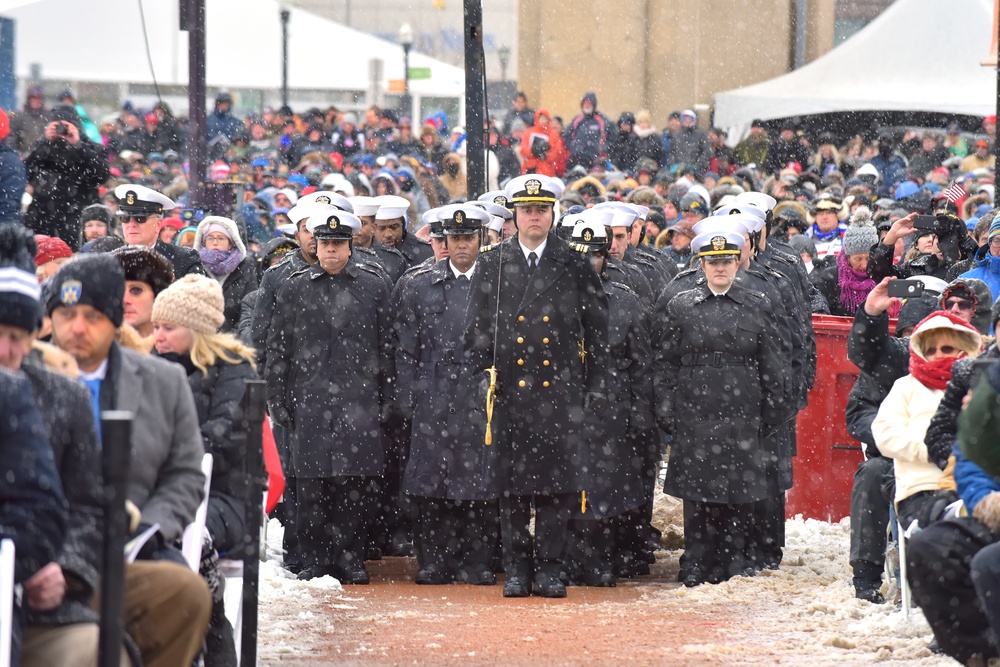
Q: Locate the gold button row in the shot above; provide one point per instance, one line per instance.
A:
(520, 318)
(522, 383)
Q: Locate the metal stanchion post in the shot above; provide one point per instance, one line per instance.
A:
(116, 431)
(253, 420)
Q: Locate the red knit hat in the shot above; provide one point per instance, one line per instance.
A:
(4, 125)
(50, 248)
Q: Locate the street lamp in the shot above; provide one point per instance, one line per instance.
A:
(504, 53)
(285, 14)
(406, 39)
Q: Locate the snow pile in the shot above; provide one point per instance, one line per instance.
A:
(294, 615)
(807, 609)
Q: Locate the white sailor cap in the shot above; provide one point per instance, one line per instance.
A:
(601, 216)
(301, 211)
(741, 223)
(332, 223)
(328, 197)
(718, 243)
(338, 183)
(138, 199)
(430, 216)
(292, 195)
(391, 207)
(287, 230)
(758, 200)
(753, 215)
(495, 210)
(932, 284)
(495, 196)
(533, 189)
(364, 206)
(623, 215)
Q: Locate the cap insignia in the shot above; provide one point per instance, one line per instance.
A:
(130, 198)
(70, 291)
(459, 217)
(718, 242)
(323, 199)
(533, 187)
(333, 222)
(501, 200)
(588, 235)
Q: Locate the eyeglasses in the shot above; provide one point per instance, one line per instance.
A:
(217, 238)
(138, 219)
(946, 350)
(995, 241)
(961, 304)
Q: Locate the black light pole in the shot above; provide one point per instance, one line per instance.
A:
(996, 144)
(474, 98)
(406, 39)
(285, 14)
(504, 54)
(194, 22)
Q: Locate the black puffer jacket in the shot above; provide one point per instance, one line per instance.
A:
(239, 283)
(862, 405)
(943, 429)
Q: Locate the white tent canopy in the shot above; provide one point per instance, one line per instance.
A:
(102, 41)
(918, 55)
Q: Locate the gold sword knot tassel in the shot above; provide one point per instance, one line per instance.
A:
(491, 397)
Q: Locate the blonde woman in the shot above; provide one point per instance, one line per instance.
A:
(186, 319)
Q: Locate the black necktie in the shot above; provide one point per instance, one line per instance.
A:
(462, 278)
(532, 262)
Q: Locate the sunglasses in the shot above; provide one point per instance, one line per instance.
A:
(962, 304)
(138, 219)
(946, 350)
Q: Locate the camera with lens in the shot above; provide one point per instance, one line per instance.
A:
(61, 129)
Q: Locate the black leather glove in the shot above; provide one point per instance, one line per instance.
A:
(280, 415)
(767, 430)
(594, 401)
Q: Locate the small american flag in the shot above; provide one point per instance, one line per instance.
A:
(954, 193)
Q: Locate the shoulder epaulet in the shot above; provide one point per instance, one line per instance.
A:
(368, 268)
(579, 247)
(300, 272)
(622, 286)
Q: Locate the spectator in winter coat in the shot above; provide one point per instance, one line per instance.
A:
(622, 143)
(753, 149)
(65, 170)
(784, 150)
(901, 424)
(28, 125)
(519, 111)
(587, 135)
(647, 144)
(929, 156)
(347, 139)
(987, 260)
(222, 121)
(666, 139)
(690, 146)
(224, 254)
(932, 254)
(432, 147)
(541, 146)
(96, 220)
(186, 318)
(845, 281)
(890, 166)
(827, 230)
(147, 273)
(13, 177)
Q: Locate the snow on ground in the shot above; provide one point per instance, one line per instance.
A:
(293, 615)
(805, 613)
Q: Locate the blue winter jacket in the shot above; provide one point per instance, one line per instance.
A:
(987, 269)
(13, 178)
(973, 482)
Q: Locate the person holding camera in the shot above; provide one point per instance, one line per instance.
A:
(64, 172)
(940, 240)
(541, 146)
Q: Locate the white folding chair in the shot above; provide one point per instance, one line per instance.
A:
(232, 570)
(904, 585)
(6, 600)
(191, 542)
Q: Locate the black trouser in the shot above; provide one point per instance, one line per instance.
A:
(394, 522)
(289, 518)
(768, 532)
(590, 545)
(939, 562)
(521, 556)
(715, 539)
(457, 534)
(333, 519)
(869, 514)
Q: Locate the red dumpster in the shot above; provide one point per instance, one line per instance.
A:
(827, 455)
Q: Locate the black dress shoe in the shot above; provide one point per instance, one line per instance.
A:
(547, 586)
(433, 575)
(374, 553)
(354, 574)
(400, 547)
(479, 576)
(315, 572)
(293, 567)
(692, 579)
(517, 587)
(603, 579)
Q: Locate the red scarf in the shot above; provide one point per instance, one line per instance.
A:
(932, 374)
